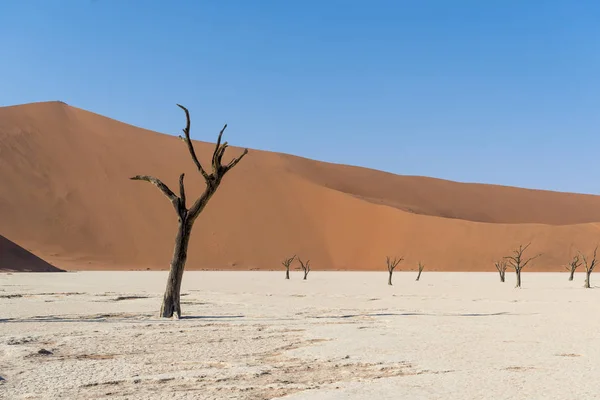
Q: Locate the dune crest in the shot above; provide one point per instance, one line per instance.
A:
(65, 194)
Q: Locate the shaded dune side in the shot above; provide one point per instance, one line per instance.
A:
(66, 194)
(15, 258)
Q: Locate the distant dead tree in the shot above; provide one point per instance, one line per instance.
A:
(501, 266)
(421, 266)
(186, 216)
(589, 267)
(573, 265)
(517, 262)
(391, 265)
(305, 267)
(286, 263)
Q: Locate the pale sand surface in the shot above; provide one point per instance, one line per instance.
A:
(339, 335)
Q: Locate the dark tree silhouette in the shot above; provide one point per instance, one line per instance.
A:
(517, 262)
(286, 263)
(305, 267)
(589, 267)
(501, 266)
(187, 216)
(421, 267)
(391, 265)
(573, 265)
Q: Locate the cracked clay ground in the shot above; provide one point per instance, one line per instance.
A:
(338, 335)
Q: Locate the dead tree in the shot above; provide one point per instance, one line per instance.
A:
(517, 262)
(589, 267)
(305, 267)
(573, 265)
(286, 263)
(391, 265)
(186, 216)
(501, 266)
(421, 267)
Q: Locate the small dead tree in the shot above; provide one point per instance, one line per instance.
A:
(286, 263)
(501, 266)
(517, 262)
(589, 267)
(186, 216)
(391, 265)
(305, 267)
(573, 265)
(421, 267)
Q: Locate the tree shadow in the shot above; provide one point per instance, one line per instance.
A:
(415, 314)
(212, 316)
(112, 318)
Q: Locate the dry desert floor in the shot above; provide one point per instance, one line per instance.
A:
(338, 335)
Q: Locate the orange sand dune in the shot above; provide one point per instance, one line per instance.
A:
(65, 193)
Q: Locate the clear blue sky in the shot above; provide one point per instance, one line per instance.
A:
(494, 91)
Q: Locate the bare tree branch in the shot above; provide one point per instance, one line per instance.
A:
(516, 261)
(286, 263)
(305, 267)
(218, 152)
(190, 146)
(594, 263)
(163, 188)
(501, 266)
(530, 259)
(236, 160)
(573, 265)
(391, 265)
(421, 267)
(182, 193)
(589, 266)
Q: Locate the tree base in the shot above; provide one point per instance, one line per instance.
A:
(170, 308)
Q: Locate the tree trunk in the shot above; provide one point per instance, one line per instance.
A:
(305, 274)
(390, 278)
(572, 275)
(502, 278)
(287, 273)
(518, 278)
(171, 300)
(419, 276)
(587, 279)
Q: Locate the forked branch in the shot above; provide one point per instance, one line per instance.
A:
(573, 265)
(517, 262)
(188, 142)
(286, 263)
(501, 266)
(589, 266)
(305, 266)
(392, 263)
(212, 180)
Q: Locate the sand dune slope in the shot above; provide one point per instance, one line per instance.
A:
(15, 258)
(65, 193)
